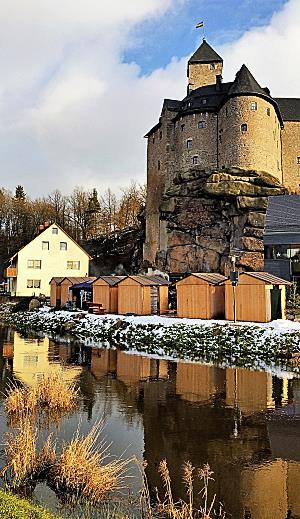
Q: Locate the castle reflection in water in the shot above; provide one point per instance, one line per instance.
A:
(244, 423)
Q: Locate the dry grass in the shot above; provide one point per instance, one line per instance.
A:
(57, 395)
(21, 402)
(186, 509)
(80, 472)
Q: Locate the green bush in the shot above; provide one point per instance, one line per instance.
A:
(12, 507)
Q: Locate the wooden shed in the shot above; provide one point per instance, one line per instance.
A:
(143, 295)
(59, 289)
(55, 291)
(201, 296)
(260, 297)
(105, 292)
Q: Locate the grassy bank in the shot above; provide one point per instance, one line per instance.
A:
(12, 507)
(246, 345)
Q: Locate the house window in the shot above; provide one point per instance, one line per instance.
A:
(33, 283)
(54, 230)
(73, 265)
(34, 264)
(212, 66)
(202, 124)
(45, 245)
(195, 160)
(63, 245)
(244, 127)
(189, 144)
(254, 105)
(268, 112)
(298, 160)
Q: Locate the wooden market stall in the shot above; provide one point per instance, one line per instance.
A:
(55, 291)
(201, 296)
(143, 295)
(260, 297)
(59, 289)
(105, 292)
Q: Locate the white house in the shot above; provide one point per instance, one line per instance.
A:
(53, 253)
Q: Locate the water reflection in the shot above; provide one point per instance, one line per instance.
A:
(244, 423)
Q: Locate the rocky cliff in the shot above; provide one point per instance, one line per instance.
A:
(206, 214)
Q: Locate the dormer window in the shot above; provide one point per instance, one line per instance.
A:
(254, 105)
(244, 127)
(202, 124)
(189, 144)
(204, 101)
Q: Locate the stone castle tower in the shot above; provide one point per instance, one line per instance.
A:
(218, 126)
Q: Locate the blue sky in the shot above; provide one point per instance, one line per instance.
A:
(153, 44)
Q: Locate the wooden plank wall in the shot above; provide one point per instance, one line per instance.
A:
(163, 299)
(251, 302)
(54, 293)
(134, 298)
(192, 301)
(101, 295)
(217, 302)
(64, 294)
(113, 299)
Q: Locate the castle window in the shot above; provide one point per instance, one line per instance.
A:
(167, 148)
(254, 105)
(153, 139)
(160, 134)
(244, 127)
(182, 127)
(195, 160)
(202, 124)
(204, 101)
(189, 144)
(212, 66)
(298, 160)
(268, 112)
(158, 164)
(189, 104)
(226, 110)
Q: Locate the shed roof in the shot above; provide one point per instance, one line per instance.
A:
(110, 280)
(82, 286)
(212, 278)
(57, 280)
(74, 280)
(267, 278)
(149, 280)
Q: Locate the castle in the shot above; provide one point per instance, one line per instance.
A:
(218, 126)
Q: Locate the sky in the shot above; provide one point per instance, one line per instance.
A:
(82, 82)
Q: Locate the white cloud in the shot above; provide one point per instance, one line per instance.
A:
(71, 113)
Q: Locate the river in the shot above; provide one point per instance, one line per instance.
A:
(244, 423)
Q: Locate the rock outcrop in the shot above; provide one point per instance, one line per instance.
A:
(206, 214)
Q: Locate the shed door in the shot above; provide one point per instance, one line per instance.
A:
(276, 311)
(154, 300)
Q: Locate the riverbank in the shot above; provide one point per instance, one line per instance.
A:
(242, 344)
(13, 507)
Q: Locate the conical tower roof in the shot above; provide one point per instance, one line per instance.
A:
(245, 83)
(205, 54)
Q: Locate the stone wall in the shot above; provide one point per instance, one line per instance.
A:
(290, 152)
(257, 148)
(206, 213)
(201, 74)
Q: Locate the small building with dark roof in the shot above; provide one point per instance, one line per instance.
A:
(201, 296)
(105, 292)
(143, 295)
(258, 297)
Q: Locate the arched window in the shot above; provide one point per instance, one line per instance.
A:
(244, 127)
(189, 144)
(195, 160)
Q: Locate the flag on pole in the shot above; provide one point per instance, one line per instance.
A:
(200, 24)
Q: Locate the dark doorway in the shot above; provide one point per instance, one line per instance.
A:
(276, 310)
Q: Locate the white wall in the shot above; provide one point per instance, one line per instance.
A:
(53, 261)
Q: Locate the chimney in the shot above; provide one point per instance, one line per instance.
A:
(41, 228)
(219, 82)
(46, 225)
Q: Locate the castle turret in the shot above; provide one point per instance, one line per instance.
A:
(203, 67)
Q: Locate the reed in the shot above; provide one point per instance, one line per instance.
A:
(80, 472)
(57, 395)
(21, 401)
(186, 509)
